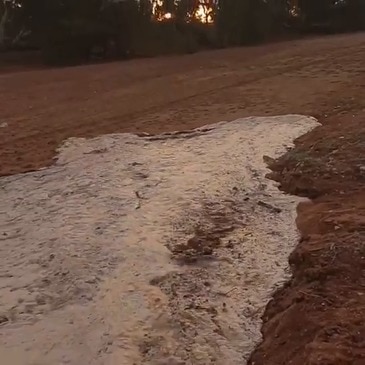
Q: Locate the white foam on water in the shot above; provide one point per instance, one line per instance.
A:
(87, 276)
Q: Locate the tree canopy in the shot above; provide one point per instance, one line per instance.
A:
(75, 30)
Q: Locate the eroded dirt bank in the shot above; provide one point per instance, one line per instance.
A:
(318, 318)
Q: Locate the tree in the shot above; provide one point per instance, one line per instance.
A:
(4, 16)
(75, 30)
(248, 21)
(339, 15)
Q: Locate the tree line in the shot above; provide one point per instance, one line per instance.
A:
(75, 31)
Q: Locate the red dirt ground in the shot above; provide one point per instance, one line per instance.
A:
(318, 318)
(44, 107)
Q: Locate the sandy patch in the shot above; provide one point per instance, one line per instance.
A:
(156, 250)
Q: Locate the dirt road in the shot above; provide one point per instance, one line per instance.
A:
(42, 108)
(315, 319)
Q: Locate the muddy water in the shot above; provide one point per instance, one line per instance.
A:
(146, 250)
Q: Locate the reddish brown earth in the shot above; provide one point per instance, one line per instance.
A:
(44, 107)
(318, 318)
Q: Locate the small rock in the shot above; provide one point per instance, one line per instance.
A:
(269, 206)
(91, 280)
(3, 125)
